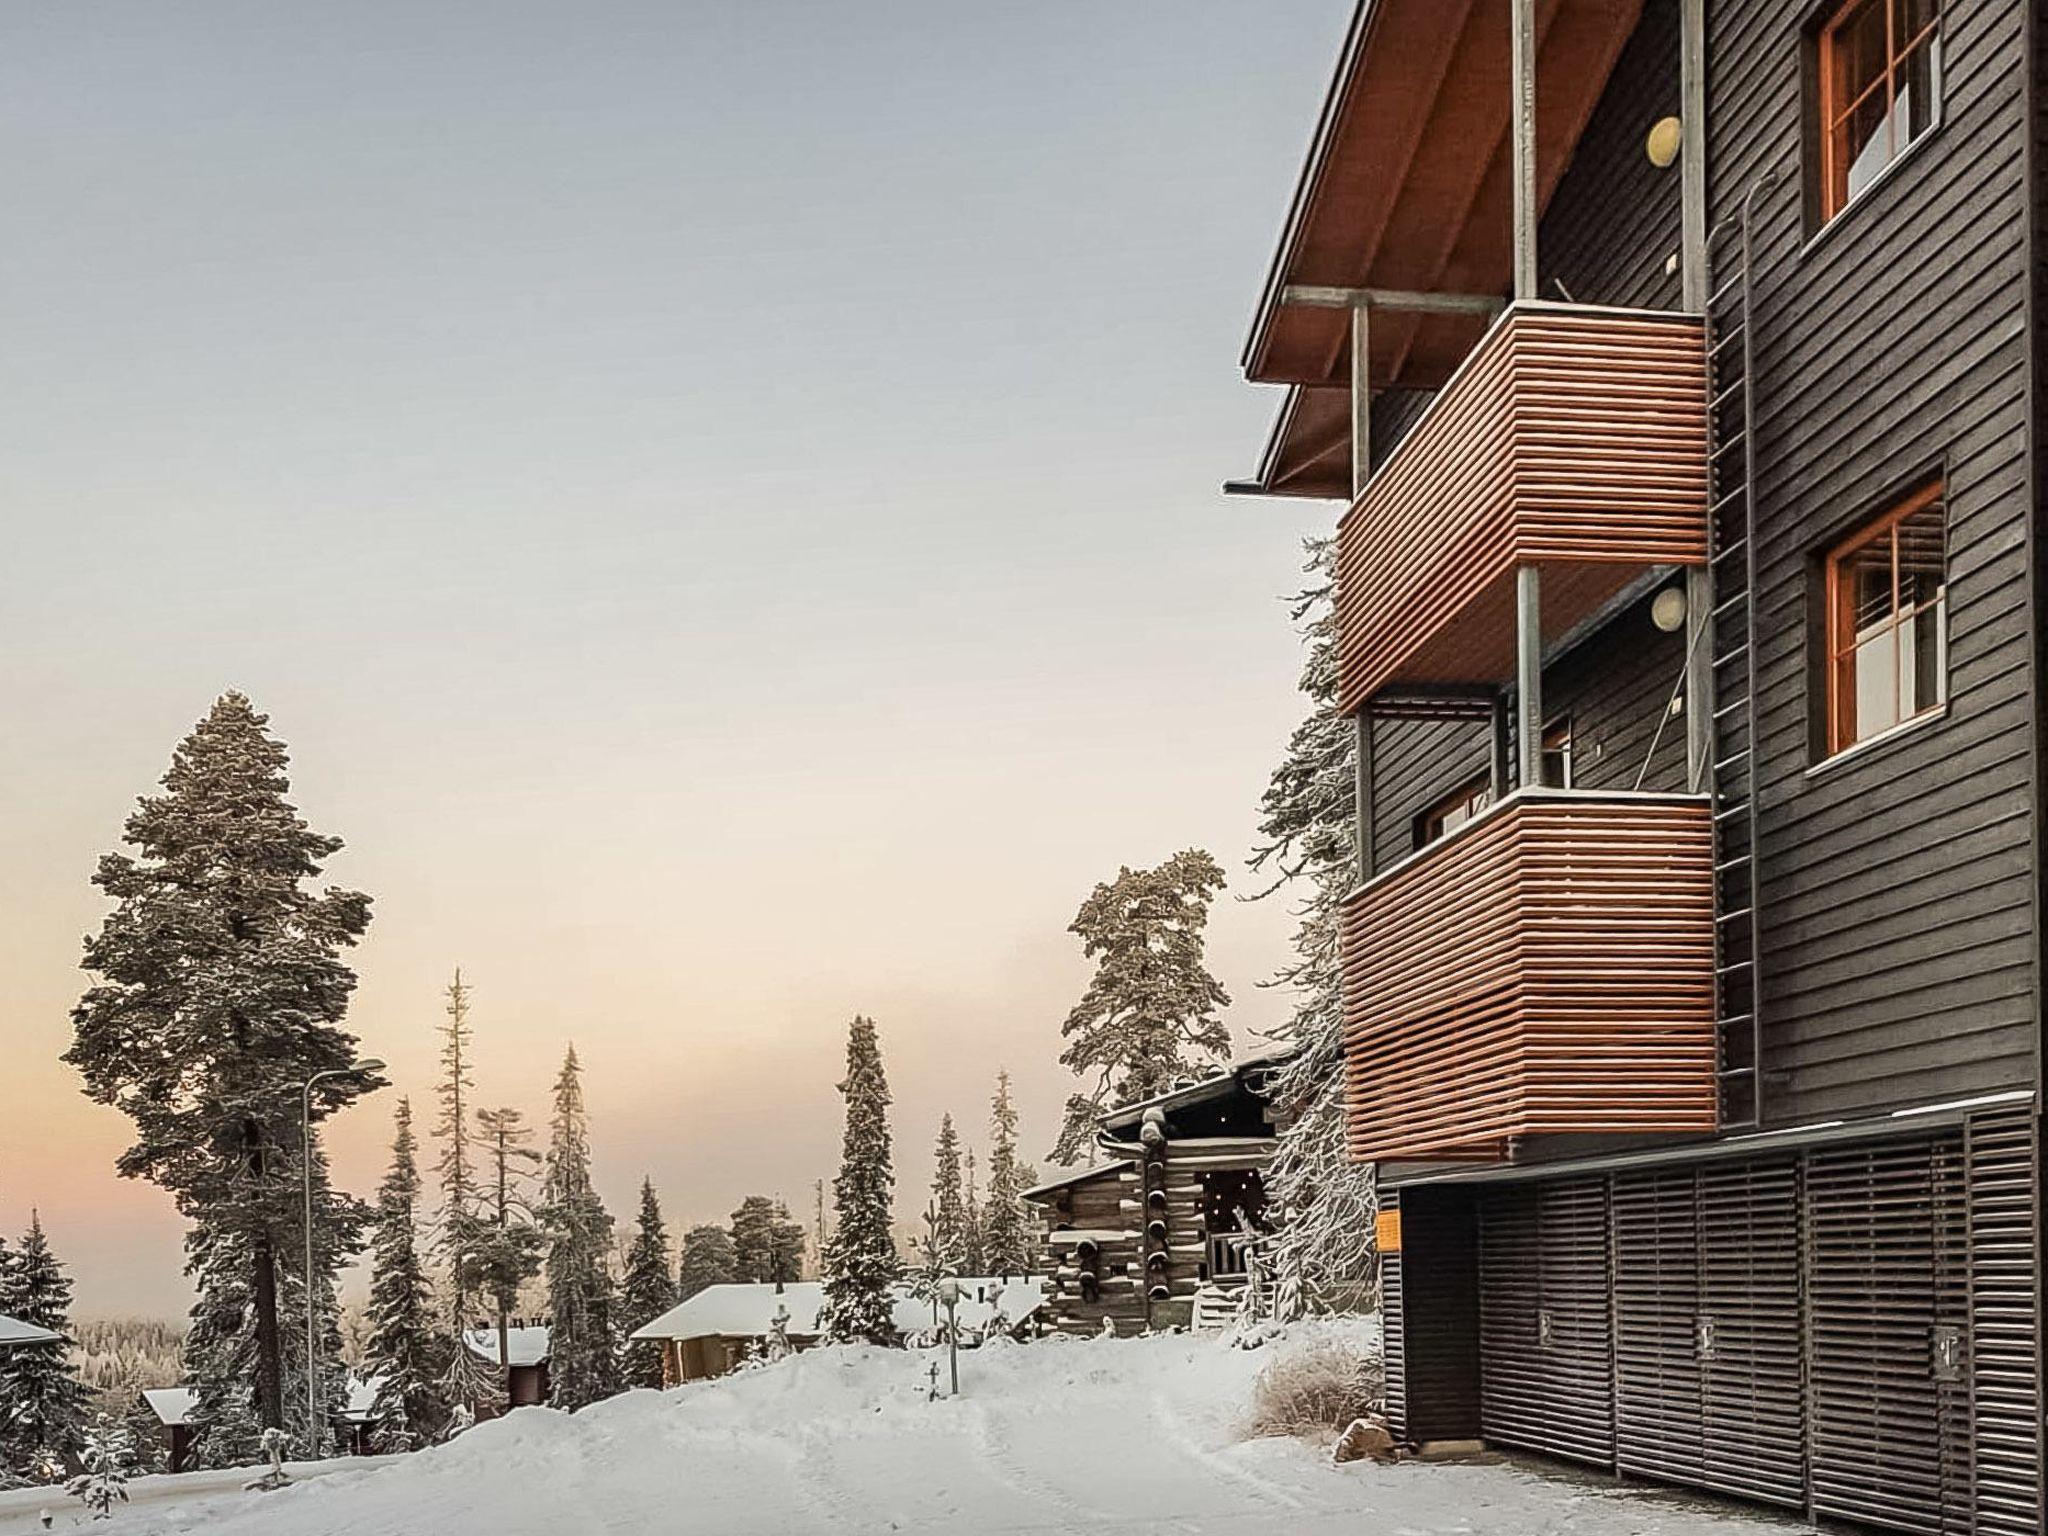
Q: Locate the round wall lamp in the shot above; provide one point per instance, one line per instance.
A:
(1667, 610)
(1662, 146)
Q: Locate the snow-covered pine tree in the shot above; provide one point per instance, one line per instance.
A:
(109, 1454)
(708, 1259)
(785, 1247)
(1149, 1013)
(648, 1290)
(506, 1242)
(220, 990)
(1323, 1248)
(974, 1240)
(947, 1253)
(583, 1350)
(861, 1263)
(405, 1351)
(42, 1401)
(458, 1229)
(753, 1240)
(1005, 1228)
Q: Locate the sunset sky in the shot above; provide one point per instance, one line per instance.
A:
(720, 499)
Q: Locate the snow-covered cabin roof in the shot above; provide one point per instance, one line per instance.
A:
(172, 1405)
(1225, 1081)
(527, 1345)
(1078, 1176)
(748, 1311)
(362, 1398)
(14, 1331)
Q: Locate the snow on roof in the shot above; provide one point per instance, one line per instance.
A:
(1078, 1176)
(171, 1405)
(748, 1311)
(14, 1331)
(362, 1395)
(523, 1346)
(1199, 1088)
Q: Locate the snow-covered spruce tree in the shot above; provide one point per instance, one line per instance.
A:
(753, 1240)
(468, 1384)
(948, 1237)
(1152, 1001)
(405, 1351)
(708, 1259)
(785, 1247)
(647, 1292)
(506, 1242)
(42, 1402)
(1323, 1249)
(1006, 1232)
(220, 990)
(861, 1263)
(108, 1456)
(583, 1349)
(974, 1240)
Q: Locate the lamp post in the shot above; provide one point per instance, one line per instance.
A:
(306, 1170)
(949, 1298)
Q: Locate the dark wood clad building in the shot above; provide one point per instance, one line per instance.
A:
(1678, 364)
(1158, 1233)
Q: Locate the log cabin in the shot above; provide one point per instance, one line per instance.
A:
(1675, 369)
(1158, 1231)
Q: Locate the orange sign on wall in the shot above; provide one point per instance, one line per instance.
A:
(1386, 1230)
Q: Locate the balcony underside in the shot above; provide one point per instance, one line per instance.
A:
(1574, 438)
(1546, 969)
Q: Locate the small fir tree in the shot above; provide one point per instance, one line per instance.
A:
(108, 1455)
(42, 1402)
(583, 1353)
(405, 1348)
(1005, 1226)
(219, 990)
(861, 1263)
(1149, 1012)
(708, 1259)
(947, 1252)
(647, 1291)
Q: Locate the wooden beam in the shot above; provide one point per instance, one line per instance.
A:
(1361, 397)
(1523, 136)
(1692, 154)
(1396, 300)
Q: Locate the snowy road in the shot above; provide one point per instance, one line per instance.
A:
(1131, 1438)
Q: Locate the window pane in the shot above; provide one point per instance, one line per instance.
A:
(1856, 55)
(1866, 577)
(1875, 662)
(1918, 88)
(1927, 678)
(1866, 145)
(1921, 556)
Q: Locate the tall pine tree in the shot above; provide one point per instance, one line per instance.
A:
(42, 1402)
(861, 1263)
(1149, 1013)
(220, 990)
(948, 1236)
(583, 1351)
(785, 1247)
(405, 1351)
(753, 1240)
(1006, 1231)
(647, 1291)
(469, 1383)
(708, 1259)
(506, 1241)
(1323, 1248)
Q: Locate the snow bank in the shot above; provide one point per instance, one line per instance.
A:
(1127, 1437)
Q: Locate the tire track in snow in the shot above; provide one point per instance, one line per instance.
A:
(1176, 1433)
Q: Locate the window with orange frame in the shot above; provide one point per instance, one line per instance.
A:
(1887, 621)
(1880, 89)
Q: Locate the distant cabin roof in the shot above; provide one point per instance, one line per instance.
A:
(14, 1331)
(362, 1398)
(172, 1405)
(748, 1311)
(1078, 1176)
(523, 1346)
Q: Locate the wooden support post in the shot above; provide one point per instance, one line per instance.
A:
(1522, 80)
(1368, 860)
(1692, 154)
(1361, 397)
(1529, 675)
(1699, 679)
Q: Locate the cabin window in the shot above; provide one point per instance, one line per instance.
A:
(1879, 67)
(1469, 799)
(1887, 621)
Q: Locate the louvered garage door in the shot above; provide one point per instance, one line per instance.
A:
(1658, 1428)
(1544, 1338)
(1888, 1307)
(1751, 1403)
(2004, 1369)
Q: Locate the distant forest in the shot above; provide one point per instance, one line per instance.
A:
(119, 1356)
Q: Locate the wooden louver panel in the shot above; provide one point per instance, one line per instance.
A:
(1659, 1431)
(1572, 436)
(2004, 1330)
(1547, 968)
(1393, 1329)
(1752, 1404)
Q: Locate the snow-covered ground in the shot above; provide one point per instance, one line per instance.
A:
(1138, 1437)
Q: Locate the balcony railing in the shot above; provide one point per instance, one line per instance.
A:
(1572, 437)
(1546, 968)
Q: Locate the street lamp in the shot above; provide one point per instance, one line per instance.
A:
(306, 1166)
(949, 1298)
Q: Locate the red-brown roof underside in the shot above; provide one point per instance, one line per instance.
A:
(1408, 186)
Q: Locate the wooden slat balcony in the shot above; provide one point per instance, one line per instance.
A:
(1574, 438)
(1546, 968)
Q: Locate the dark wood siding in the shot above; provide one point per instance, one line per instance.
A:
(1898, 932)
